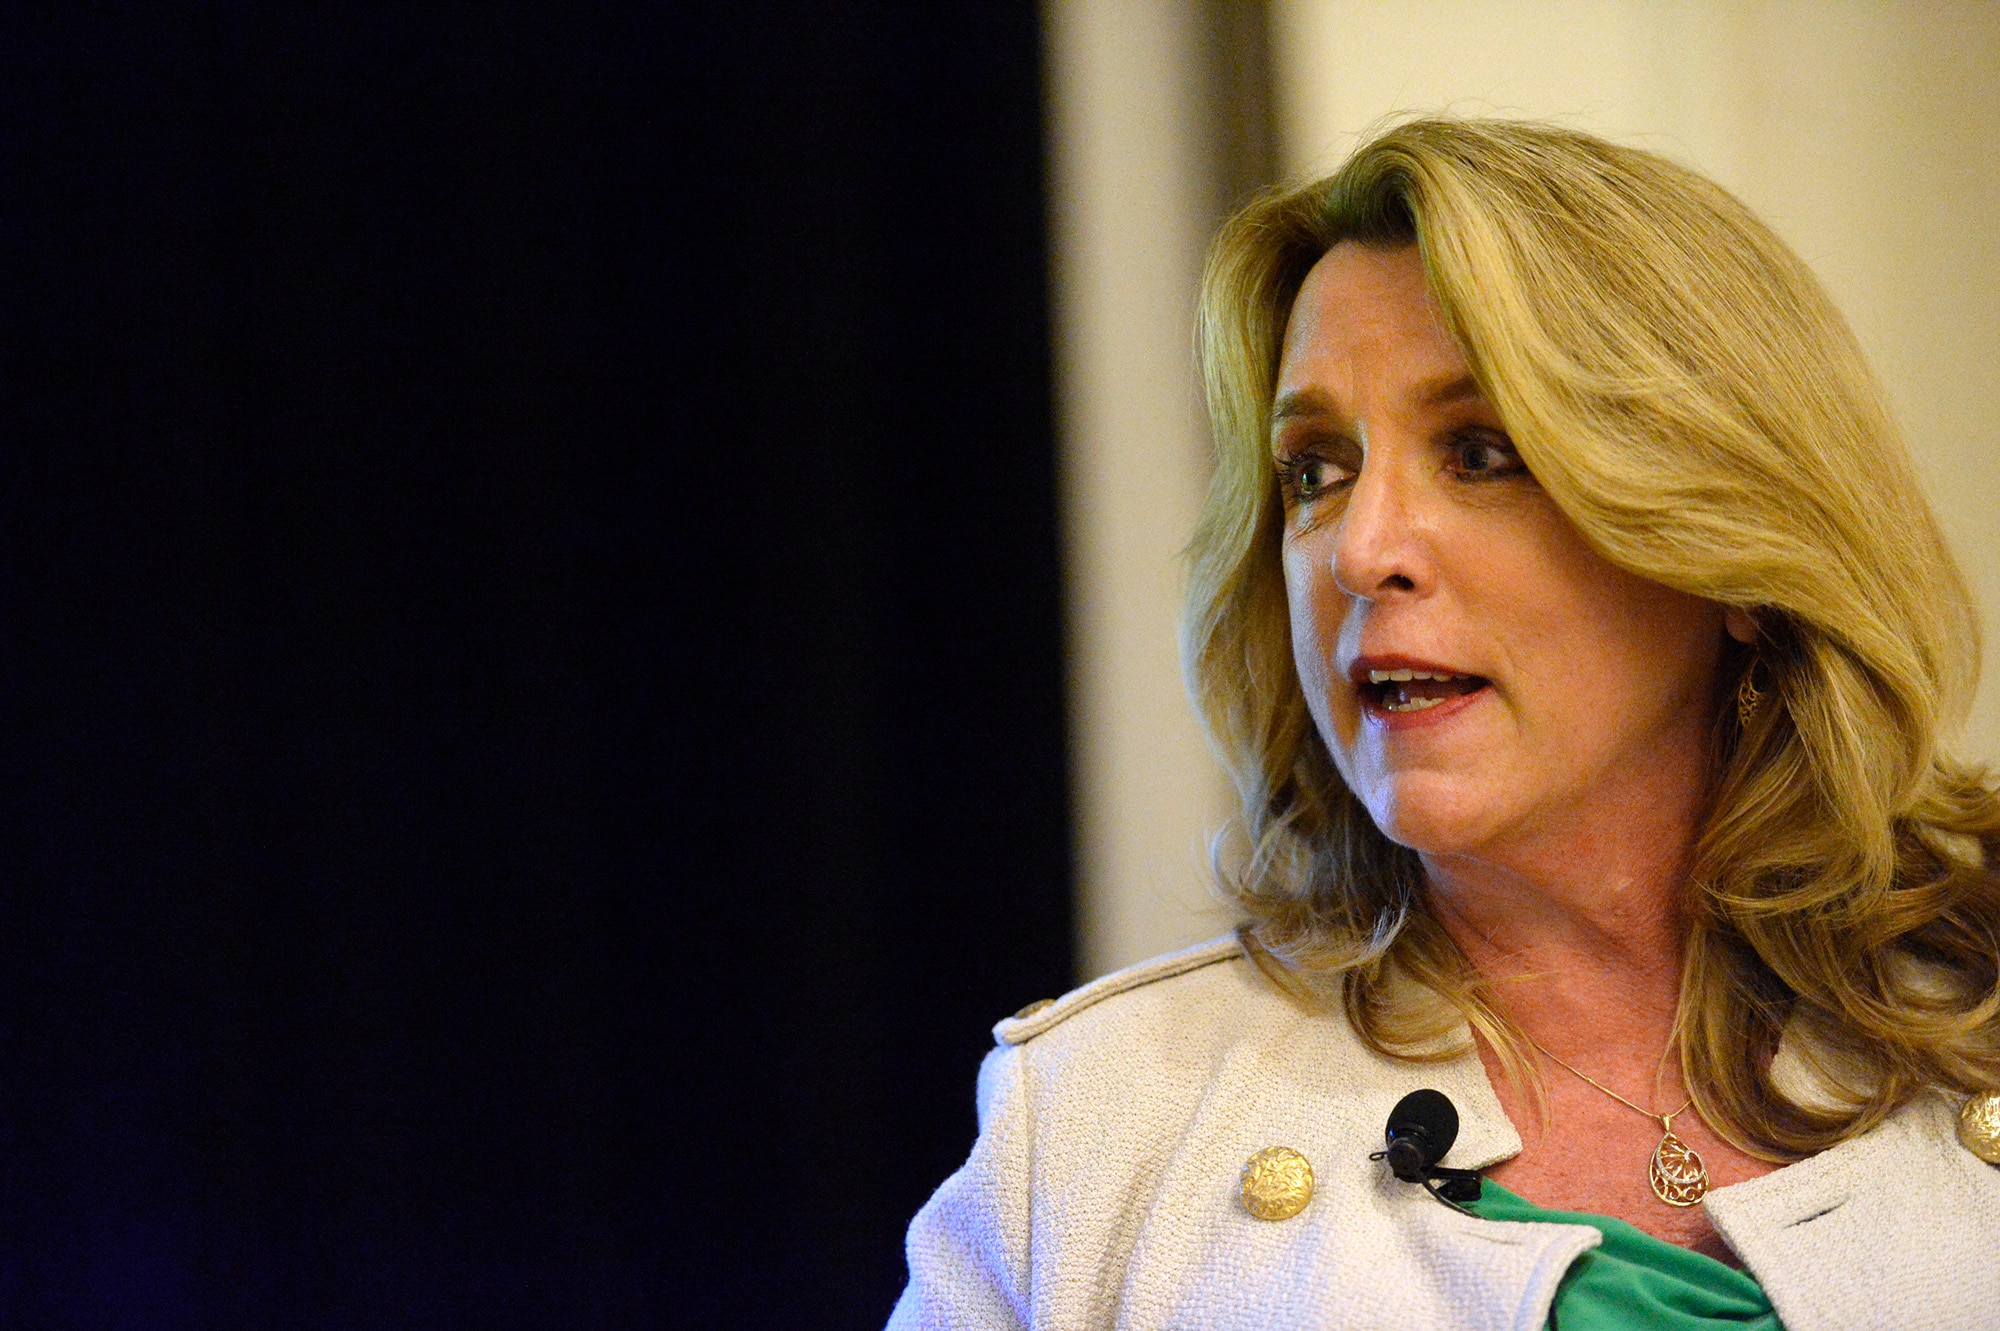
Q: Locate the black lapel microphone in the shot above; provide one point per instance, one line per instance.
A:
(1421, 1128)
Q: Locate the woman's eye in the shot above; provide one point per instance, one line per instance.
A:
(1485, 456)
(1308, 478)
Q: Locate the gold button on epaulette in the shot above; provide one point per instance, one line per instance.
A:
(1032, 1008)
(1277, 1183)
(1979, 1127)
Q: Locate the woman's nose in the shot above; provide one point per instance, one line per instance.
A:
(1377, 552)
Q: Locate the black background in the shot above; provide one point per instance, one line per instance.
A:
(530, 720)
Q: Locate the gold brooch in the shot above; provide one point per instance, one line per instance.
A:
(1277, 1183)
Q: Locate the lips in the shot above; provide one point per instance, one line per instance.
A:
(1400, 688)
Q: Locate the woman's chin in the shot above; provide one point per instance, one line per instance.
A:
(1433, 816)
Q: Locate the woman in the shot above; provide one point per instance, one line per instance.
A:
(1579, 642)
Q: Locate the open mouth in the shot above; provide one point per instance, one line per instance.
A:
(1416, 690)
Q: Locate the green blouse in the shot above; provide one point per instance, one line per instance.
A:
(1634, 1280)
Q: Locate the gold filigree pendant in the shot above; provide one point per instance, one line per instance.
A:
(1679, 1176)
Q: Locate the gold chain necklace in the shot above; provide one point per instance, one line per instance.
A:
(1678, 1175)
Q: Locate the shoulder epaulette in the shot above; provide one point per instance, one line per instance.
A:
(1040, 1016)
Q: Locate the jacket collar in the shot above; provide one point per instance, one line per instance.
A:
(1875, 1227)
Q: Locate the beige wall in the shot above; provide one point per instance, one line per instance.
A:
(1868, 134)
(1131, 212)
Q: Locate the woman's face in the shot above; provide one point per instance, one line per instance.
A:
(1484, 679)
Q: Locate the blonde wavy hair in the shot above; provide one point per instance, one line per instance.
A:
(1688, 396)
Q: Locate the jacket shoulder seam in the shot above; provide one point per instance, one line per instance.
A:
(1037, 1019)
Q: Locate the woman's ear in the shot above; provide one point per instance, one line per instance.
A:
(1740, 626)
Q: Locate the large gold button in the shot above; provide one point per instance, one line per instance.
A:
(1277, 1183)
(1979, 1127)
(1032, 1008)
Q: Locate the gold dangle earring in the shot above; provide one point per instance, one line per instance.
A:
(1748, 695)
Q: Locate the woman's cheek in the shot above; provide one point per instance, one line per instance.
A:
(1317, 609)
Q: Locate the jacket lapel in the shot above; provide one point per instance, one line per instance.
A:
(1898, 1228)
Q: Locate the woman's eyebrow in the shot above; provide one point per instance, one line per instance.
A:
(1447, 389)
(1300, 402)
(1443, 390)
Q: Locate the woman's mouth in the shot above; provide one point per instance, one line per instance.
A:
(1402, 691)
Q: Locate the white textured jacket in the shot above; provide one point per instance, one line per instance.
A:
(1114, 1126)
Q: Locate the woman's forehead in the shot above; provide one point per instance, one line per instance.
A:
(1364, 321)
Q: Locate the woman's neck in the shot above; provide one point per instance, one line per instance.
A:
(1582, 945)
(1585, 956)
(1580, 936)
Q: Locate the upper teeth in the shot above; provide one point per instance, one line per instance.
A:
(1398, 676)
